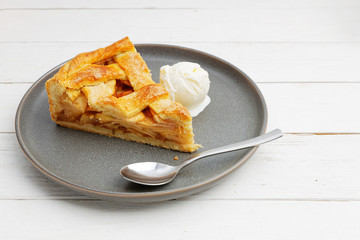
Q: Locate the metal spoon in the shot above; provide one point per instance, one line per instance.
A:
(154, 173)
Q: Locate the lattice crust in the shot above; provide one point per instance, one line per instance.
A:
(110, 91)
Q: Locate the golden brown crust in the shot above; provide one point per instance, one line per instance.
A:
(167, 109)
(82, 59)
(92, 74)
(110, 89)
(136, 70)
(131, 104)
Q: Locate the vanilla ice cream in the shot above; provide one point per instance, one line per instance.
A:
(188, 84)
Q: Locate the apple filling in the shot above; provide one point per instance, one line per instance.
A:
(144, 124)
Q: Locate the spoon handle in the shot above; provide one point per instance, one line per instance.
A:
(235, 146)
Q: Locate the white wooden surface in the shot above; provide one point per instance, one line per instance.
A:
(304, 56)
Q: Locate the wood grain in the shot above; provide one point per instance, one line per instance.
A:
(313, 107)
(164, 4)
(304, 56)
(267, 25)
(181, 220)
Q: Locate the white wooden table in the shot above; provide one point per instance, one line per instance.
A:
(303, 55)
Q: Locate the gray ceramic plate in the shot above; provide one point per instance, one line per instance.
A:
(90, 163)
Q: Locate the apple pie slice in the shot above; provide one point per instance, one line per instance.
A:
(109, 91)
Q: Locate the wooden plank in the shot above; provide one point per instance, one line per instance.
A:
(314, 107)
(263, 62)
(180, 220)
(163, 4)
(296, 167)
(293, 107)
(236, 25)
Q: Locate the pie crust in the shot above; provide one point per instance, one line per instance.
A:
(109, 91)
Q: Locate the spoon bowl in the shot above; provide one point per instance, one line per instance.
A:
(151, 173)
(154, 173)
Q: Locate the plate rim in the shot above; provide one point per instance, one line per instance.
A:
(133, 196)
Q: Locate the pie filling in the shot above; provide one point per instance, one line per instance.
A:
(145, 124)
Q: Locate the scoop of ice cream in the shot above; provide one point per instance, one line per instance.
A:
(188, 84)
